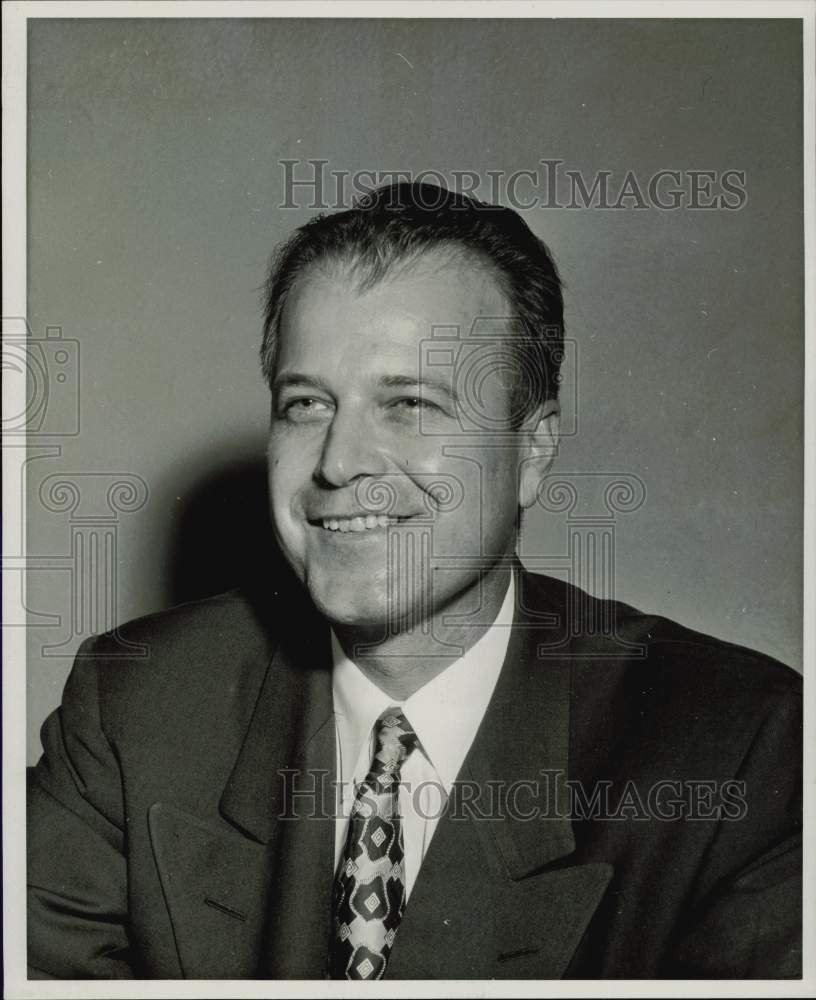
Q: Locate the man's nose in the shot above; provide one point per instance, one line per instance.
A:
(350, 450)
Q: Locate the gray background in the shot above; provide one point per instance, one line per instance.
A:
(154, 187)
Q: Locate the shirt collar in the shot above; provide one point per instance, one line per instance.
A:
(445, 713)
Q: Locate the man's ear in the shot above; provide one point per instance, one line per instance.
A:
(540, 443)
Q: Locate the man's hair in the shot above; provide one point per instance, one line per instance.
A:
(394, 226)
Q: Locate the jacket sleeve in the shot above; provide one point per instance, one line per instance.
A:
(748, 923)
(77, 871)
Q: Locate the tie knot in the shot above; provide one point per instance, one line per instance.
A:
(395, 739)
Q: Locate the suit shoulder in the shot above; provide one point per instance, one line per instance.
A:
(208, 638)
(676, 648)
(206, 618)
(198, 660)
(659, 649)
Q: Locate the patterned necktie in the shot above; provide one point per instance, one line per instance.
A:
(369, 894)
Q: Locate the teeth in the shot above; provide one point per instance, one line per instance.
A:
(357, 524)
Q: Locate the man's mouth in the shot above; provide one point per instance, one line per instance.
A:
(359, 523)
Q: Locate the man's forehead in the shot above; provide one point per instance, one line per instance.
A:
(436, 288)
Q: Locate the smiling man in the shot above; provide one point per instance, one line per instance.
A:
(355, 414)
(414, 759)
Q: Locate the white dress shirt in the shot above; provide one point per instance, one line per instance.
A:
(445, 714)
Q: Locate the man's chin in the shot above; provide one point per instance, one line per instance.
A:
(356, 614)
(350, 603)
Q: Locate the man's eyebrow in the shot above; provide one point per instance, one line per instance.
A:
(298, 379)
(412, 381)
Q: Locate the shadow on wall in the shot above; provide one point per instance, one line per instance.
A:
(224, 536)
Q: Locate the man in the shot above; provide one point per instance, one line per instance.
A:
(414, 759)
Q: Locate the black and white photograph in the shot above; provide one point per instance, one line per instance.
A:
(407, 509)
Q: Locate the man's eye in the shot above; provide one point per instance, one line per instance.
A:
(304, 408)
(415, 403)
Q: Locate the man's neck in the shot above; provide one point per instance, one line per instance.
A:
(404, 661)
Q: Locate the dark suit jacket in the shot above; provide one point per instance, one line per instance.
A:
(159, 844)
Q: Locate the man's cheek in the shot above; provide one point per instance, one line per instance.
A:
(288, 527)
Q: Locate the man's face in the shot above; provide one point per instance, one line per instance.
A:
(361, 425)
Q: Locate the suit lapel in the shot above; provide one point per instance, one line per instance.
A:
(494, 897)
(251, 896)
(467, 919)
(214, 884)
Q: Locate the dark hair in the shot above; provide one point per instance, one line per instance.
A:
(395, 225)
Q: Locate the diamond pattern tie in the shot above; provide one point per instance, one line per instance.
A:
(369, 894)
